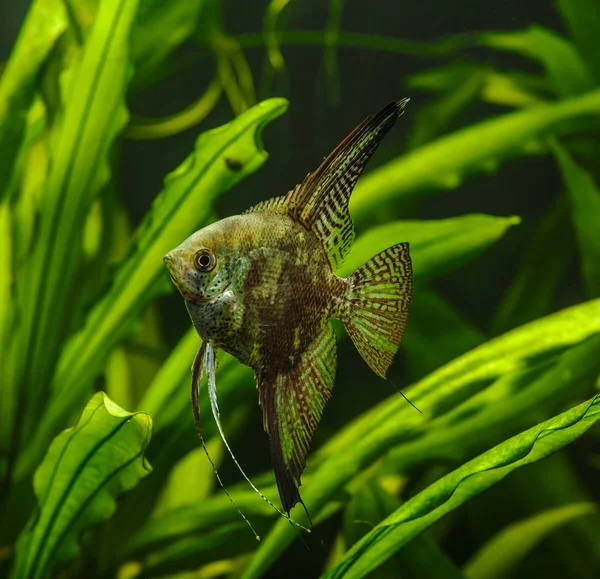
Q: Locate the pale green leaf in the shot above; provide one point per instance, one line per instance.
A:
(437, 246)
(93, 114)
(44, 24)
(86, 468)
(566, 70)
(500, 556)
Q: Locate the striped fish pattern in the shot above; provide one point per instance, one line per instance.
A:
(262, 286)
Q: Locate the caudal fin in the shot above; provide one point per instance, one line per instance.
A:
(378, 300)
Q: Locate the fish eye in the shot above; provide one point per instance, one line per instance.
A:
(205, 260)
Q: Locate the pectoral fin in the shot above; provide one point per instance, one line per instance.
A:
(292, 403)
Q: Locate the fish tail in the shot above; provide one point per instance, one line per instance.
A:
(377, 302)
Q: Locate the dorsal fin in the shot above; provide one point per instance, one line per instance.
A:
(320, 202)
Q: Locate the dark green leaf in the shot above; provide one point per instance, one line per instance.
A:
(584, 197)
(541, 269)
(582, 19)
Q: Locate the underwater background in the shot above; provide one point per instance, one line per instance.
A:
(492, 174)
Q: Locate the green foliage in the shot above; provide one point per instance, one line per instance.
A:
(84, 470)
(501, 555)
(501, 346)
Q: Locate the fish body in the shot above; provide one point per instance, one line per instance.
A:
(262, 286)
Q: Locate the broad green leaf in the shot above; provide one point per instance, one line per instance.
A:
(540, 271)
(92, 116)
(566, 70)
(86, 468)
(443, 164)
(44, 24)
(436, 246)
(500, 556)
(584, 198)
(582, 19)
(462, 484)
(186, 204)
(393, 421)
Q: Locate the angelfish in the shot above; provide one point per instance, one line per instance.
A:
(262, 287)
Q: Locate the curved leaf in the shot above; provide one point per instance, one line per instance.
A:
(185, 205)
(566, 70)
(503, 552)
(86, 468)
(45, 22)
(437, 246)
(442, 164)
(462, 484)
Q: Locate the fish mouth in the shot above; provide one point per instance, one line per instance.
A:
(198, 300)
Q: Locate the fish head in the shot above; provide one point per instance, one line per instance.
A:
(200, 266)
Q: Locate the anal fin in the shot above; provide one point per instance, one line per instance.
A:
(292, 403)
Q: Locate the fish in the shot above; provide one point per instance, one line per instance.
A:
(262, 287)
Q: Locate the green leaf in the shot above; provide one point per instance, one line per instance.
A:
(584, 198)
(92, 116)
(436, 246)
(393, 421)
(443, 163)
(462, 484)
(436, 334)
(44, 24)
(150, 46)
(423, 559)
(185, 205)
(501, 555)
(566, 70)
(582, 19)
(541, 269)
(86, 468)
(437, 117)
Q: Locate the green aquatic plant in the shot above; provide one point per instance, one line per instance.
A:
(100, 469)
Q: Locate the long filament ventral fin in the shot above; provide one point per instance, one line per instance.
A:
(210, 367)
(198, 370)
